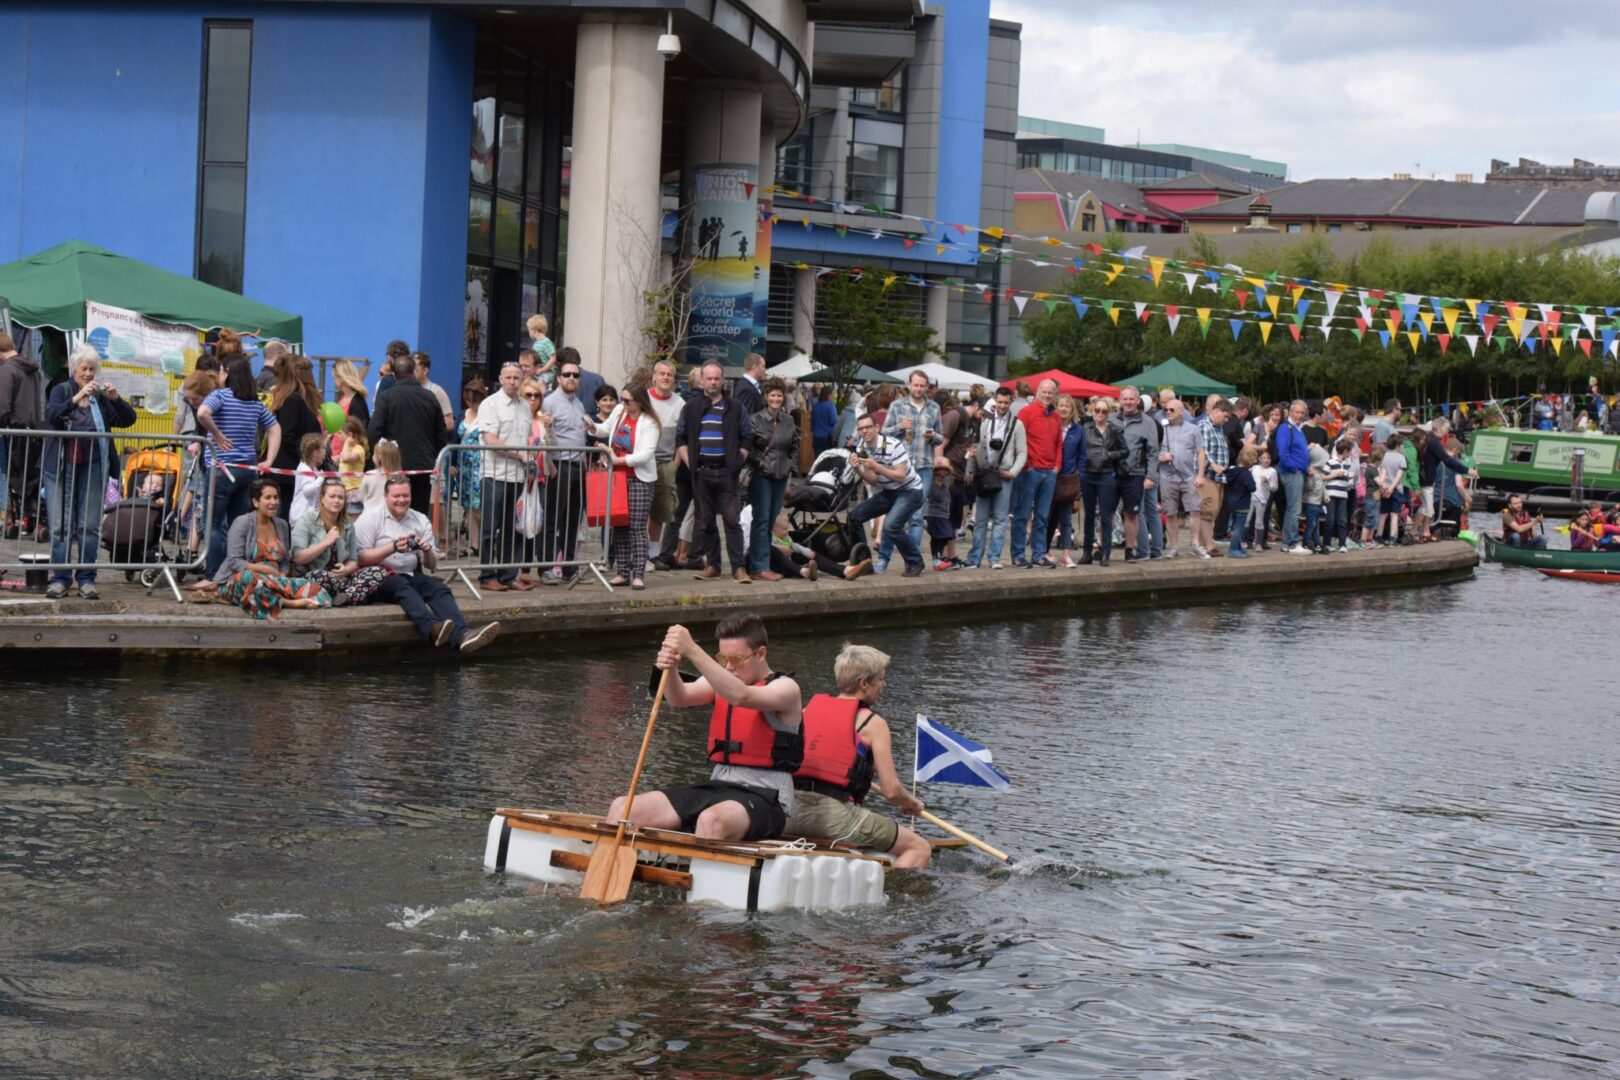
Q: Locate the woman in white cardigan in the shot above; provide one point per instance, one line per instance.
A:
(632, 431)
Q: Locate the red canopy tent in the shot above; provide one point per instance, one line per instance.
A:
(1073, 385)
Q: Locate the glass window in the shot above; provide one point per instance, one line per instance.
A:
(764, 44)
(508, 229)
(728, 17)
(531, 234)
(793, 162)
(222, 169)
(509, 170)
(1293, 227)
(1334, 227)
(483, 141)
(874, 175)
(220, 235)
(879, 133)
(479, 215)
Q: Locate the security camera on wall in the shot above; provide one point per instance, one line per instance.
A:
(669, 43)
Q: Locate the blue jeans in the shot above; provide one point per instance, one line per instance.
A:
(1338, 521)
(230, 502)
(1293, 489)
(74, 498)
(1313, 519)
(1149, 526)
(1032, 512)
(1537, 543)
(895, 508)
(914, 527)
(765, 495)
(1237, 519)
(1097, 491)
(990, 515)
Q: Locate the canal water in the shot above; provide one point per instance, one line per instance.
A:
(1354, 836)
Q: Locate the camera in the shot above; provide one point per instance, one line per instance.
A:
(413, 543)
(997, 444)
(862, 452)
(669, 46)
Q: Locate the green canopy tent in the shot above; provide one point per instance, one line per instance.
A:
(1173, 373)
(861, 374)
(49, 289)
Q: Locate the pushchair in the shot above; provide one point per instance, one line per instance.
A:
(818, 509)
(136, 529)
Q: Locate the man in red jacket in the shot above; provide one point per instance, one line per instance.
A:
(1032, 491)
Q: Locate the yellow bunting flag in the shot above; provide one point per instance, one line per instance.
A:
(1113, 272)
(1156, 267)
(1517, 326)
(1393, 323)
(996, 232)
(1473, 308)
(1113, 313)
(939, 249)
(1203, 318)
(1558, 345)
(890, 279)
(1265, 332)
(1412, 337)
(1450, 316)
(1428, 319)
(1296, 292)
(985, 249)
(1272, 300)
(1052, 241)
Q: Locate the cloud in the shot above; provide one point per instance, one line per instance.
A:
(1331, 90)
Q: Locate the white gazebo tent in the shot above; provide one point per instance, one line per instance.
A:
(796, 366)
(944, 376)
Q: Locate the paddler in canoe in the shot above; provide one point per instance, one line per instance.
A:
(754, 738)
(846, 746)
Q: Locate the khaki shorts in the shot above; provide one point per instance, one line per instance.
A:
(664, 500)
(1209, 498)
(1428, 502)
(1177, 497)
(833, 819)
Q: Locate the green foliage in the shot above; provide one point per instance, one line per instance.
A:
(867, 323)
(1363, 371)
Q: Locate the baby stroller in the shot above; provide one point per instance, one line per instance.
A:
(135, 529)
(818, 508)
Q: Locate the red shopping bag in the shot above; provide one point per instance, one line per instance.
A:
(596, 497)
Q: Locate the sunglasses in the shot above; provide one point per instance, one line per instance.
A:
(568, 375)
(531, 397)
(729, 662)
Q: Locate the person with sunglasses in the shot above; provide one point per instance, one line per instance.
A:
(505, 419)
(755, 738)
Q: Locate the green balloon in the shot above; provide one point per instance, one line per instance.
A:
(332, 417)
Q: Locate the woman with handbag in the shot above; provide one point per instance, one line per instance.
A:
(75, 471)
(776, 449)
(632, 431)
(1099, 484)
(992, 466)
(1067, 489)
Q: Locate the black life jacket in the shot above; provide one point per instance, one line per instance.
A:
(836, 762)
(739, 736)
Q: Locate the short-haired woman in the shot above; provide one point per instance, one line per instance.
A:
(75, 471)
(775, 453)
(323, 547)
(1105, 454)
(234, 417)
(847, 747)
(256, 573)
(631, 431)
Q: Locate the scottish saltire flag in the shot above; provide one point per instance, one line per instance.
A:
(950, 758)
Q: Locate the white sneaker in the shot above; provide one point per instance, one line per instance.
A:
(1198, 550)
(1298, 549)
(995, 566)
(1172, 553)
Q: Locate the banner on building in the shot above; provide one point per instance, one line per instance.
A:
(723, 237)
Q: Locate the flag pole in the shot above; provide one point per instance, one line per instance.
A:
(969, 837)
(916, 751)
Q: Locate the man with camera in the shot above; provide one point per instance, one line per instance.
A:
(992, 466)
(400, 539)
(885, 464)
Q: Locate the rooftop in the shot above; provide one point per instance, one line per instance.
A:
(1121, 196)
(1428, 200)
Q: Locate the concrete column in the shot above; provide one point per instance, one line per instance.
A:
(615, 211)
(939, 316)
(804, 311)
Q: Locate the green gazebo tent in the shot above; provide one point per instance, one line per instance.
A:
(860, 374)
(50, 288)
(1172, 372)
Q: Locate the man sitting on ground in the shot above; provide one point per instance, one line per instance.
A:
(845, 743)
(396, 537)
(754, 738)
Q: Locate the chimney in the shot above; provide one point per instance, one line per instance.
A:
(1526, 163)
(1465, 178)
(1401, 176)
(1259, 212)
(1497, 164)
(1579, 164)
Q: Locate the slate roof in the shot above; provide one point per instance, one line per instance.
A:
(1432, 200)
(1121, 196)
(1203, 182)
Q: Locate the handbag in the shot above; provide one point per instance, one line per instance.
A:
(1067, 488)
(988, 482)
(596, 497)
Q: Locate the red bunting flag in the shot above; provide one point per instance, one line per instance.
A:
(1293, 328)
(1488, 324)
(1243, 298)
(1444, 340)
(1586, 346)
(909, 243)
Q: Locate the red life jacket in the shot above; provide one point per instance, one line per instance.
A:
(836, 762)
(739, 736)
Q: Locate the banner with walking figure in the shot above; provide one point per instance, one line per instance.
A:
(722, 238)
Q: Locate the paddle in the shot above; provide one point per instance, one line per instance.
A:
(969, 837)
(612, 865)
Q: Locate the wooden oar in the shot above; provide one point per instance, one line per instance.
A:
(613, 866)
(970, 838)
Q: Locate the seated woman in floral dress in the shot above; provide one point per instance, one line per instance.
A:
(323, 549)
(257, 571)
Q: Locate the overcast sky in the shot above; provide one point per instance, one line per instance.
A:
(1357, 88)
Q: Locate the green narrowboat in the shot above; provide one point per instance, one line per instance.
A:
(1549, 465)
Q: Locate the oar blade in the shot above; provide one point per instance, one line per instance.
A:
(609, 873)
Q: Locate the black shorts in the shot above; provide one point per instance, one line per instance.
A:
(1130, 493)
(765, 815)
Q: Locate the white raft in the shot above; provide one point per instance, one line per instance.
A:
(554, 846)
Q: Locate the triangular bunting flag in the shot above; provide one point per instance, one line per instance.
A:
(1590, 322)
(1409, 311)
(1449, 315)
(1327, 326)
(1192, 282)
(1237, 327)
(1242, 298)
(1473, 308)
(1293, 328)
(1444, 340)
(1412, 338)
(1558, 346)
(1172, 315)
(1473, 344)
(1265, 332)
(1488, 323)
(1383, 335)
(1393, 323)
(1019, 302)
(1586, 346)
(1272, 302)
(1332, 296)
(1203, 320)
(1427, 318)
(1300, 311)
(1156, 268)
(1296, 292)
(1080, 308)
(1112, 273)
(1141, 310)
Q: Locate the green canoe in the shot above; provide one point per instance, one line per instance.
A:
(1547, 559)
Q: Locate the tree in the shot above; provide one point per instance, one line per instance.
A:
(866, 321)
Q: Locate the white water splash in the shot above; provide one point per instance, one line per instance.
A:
(261, 920)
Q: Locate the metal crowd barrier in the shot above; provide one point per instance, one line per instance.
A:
(92, 500)
(489, 527)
